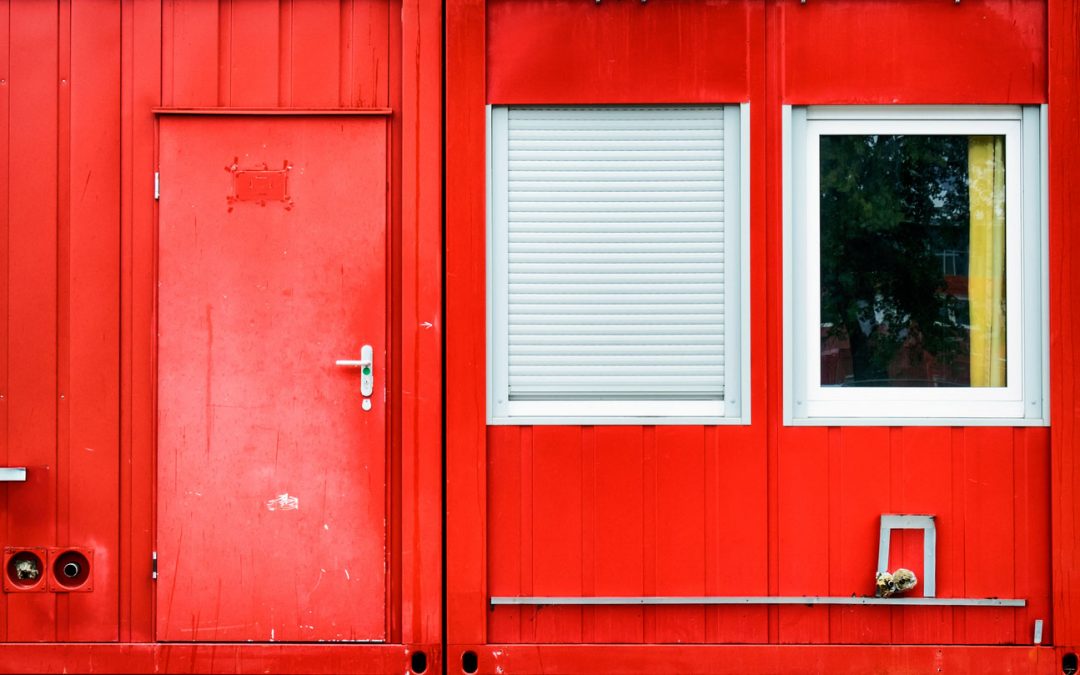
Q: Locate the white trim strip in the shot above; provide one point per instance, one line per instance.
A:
(914, 112)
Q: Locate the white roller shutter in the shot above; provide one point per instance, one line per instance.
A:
(609, 252)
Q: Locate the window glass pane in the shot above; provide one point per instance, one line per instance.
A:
(912, 261)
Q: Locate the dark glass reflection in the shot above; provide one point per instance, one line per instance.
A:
(896, 229)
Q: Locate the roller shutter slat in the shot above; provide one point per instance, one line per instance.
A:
(615, 199)
(588, 351)
(620, 339)
(544, 310)
(615, 249)
(656, 219)
(552, 233)
(545, 297)
(634, 113)
(589, 260)
(618, 163)
(637, 130)
(612, 319)
(577, 187)
(526, 177)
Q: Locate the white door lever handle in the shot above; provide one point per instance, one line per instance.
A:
(366, 364)
(352, 363)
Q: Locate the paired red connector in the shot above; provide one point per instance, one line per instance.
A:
(57, 569)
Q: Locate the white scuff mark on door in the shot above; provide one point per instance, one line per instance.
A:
(283, 502)
(347, 577)
(271, 635)
(326, 527)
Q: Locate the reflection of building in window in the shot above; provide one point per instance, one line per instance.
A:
(953, 263)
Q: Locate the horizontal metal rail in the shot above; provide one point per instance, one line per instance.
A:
(756, 600)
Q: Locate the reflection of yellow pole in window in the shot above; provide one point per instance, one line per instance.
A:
(986, 268)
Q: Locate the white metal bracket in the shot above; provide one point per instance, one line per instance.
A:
(891, 522)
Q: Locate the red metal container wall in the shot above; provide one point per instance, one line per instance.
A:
(60, 398)
(79, 82)
(756, 510)
(260, 54)
(77, 85)
(1063, 19)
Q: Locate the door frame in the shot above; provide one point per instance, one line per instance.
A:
(185, 129)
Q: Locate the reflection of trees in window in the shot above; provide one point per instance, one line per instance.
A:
(894, 258)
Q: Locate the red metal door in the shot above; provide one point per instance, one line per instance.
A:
(271, 462)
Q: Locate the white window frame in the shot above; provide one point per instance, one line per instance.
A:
(733, 409)
(1023, 401)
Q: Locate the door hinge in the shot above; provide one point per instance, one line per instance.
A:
(157, 185)
(153, 565)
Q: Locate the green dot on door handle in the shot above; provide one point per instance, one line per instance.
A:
(367, 370)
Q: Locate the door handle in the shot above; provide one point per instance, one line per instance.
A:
(366, 364)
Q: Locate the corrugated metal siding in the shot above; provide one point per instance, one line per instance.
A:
(258, 53)
(631, 510)
(59, 297)
(78, 82)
